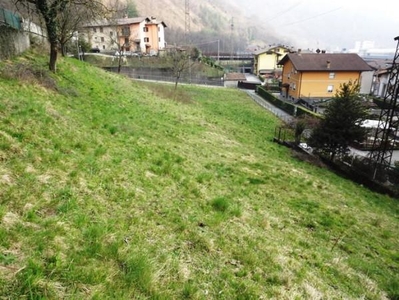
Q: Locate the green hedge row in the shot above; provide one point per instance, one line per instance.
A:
(285, 106)
(290, 108)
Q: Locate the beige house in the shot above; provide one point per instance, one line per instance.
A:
(141, 34)
(266, 61)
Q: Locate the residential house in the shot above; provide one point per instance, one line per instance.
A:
(317, 76)
(141, 34)
(381, 79)
(266, 61)
(232, 79)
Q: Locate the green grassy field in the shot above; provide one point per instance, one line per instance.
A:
(109, 189)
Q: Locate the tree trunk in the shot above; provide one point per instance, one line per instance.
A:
(53, 56)
(177, 80)
(63, 49)
(49, 15)
(119, 63)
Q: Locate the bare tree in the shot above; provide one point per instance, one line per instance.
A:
(180, 63)
(53, 13)
(71, 20)
(124, 38)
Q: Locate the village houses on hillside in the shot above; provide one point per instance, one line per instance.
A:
(141, 34)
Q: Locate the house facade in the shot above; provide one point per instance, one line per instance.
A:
(266, 61)
(381, 80)
(317, 76)
(141, 34)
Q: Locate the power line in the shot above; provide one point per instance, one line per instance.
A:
(313, 17)
(284, 11)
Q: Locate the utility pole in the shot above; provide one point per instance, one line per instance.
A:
(187, 22)
(231, 38)
(218, 52)
(388, 124)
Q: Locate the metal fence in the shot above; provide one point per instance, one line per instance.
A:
(159, 75)
(10, 19)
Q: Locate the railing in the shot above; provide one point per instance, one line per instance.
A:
(10, 19)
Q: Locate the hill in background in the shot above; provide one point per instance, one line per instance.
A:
(210, 21)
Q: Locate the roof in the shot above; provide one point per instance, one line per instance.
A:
(124, 21)
(326, 62)
(235, 77)
(270, 50)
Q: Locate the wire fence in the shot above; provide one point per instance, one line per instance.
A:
(167, 76)
(359, 168)
(286, 118)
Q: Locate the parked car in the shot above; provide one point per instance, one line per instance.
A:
(95, 50)
(127, 53)
(132, 53)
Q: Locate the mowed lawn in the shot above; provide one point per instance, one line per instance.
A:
(113, 189)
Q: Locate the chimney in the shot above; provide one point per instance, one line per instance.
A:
(328, 64)
(323, 51)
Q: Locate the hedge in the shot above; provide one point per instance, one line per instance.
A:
(290, 108)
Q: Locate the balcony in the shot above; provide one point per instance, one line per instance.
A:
(125, 32)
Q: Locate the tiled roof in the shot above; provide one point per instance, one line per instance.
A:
(235, 77)
(326, 62)
(126, 21)
(123, 21)
(270, 49)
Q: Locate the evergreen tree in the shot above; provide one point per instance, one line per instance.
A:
(131, 9)
(341, 123)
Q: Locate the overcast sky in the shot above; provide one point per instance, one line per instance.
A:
(330, 25)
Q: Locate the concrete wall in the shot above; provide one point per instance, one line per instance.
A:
(12, 42)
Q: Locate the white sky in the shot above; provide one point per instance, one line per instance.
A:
(330, 25)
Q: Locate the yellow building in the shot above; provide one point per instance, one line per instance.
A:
(317, 76)
(266, 61)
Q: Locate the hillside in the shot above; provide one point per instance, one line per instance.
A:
(109, 189)
(209, 21)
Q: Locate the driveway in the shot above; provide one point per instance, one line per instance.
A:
(270, 107)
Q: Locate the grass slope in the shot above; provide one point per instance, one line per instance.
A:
(111, 190)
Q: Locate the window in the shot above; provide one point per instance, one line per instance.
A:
(159, 39)
(330, 89)
(102, 39)
(145, 29)
(294, 86)
(101, 29)
(104, 47)
(94, 29)
(126, 41)
(332, 75)
(126, 31)
(111, 33)
(146, 40)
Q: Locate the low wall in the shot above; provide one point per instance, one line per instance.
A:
(290, 108)
(12, 42)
